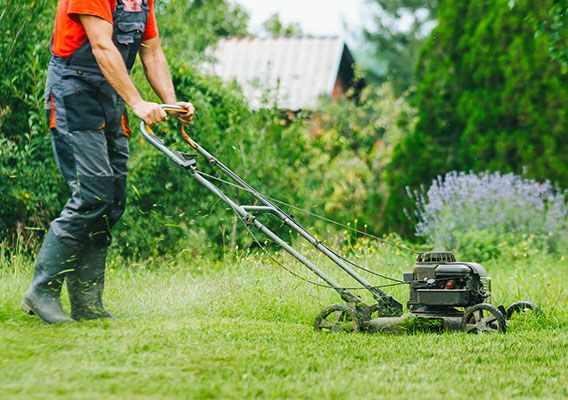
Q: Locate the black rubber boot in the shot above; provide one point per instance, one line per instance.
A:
(86, 284)
(54, 261)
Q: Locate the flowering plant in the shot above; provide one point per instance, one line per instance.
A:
(502, 208)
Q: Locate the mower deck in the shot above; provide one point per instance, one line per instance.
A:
(410, 322)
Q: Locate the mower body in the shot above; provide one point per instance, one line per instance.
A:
(440, 289)
(438, 284)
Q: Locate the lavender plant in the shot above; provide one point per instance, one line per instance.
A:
(474, 212)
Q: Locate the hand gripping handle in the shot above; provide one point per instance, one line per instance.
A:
(149, 135)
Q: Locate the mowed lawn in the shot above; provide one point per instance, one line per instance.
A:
(243, 329)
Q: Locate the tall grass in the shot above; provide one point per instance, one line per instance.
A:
(242, 328)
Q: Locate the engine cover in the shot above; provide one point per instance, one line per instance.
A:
(439, 282)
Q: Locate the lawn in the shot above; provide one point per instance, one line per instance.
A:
(242, 329)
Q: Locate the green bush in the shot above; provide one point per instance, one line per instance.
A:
(169, 211)
(554, 27)
(479, 215)
(488, 97)
(32, 190)
(359, 138)
(330, 164)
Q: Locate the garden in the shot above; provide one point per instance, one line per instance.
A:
(457, 143)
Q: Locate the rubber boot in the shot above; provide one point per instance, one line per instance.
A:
(86, 284)
(54, 261)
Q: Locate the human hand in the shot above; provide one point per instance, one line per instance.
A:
(151, 113)
(187, 117)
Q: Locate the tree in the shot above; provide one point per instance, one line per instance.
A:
(554, 27)
(187, 28)
(400, 28)
(488, 97)
(274, 26)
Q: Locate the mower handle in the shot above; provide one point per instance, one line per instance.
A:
(172, 108)
(148, 133)
(155, 141)
(188, 163)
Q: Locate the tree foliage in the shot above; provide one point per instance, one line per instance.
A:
(274, 26)
(554, 27)
(399, 29)
(187, 28)
(488, 98)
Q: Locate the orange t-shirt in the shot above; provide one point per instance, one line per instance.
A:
(69, 35)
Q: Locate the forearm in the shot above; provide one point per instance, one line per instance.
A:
(159, 77)
(157, 71)
(99, 33)
(112, 66)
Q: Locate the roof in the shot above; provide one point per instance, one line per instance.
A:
(293, 71)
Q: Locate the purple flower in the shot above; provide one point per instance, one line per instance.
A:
(503, 204)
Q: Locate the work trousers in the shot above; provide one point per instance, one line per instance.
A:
(86, 117)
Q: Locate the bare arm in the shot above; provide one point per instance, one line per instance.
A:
(157, 71)
(99, 33)
(158, 75)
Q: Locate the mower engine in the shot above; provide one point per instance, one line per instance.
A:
(438, 284)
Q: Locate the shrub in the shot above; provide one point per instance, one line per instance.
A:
(476, 213)
(360, 138)
(330, 165)
(32, 190)
(488, 97)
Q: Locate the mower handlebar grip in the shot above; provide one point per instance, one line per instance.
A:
(173, 108)
(149, 134)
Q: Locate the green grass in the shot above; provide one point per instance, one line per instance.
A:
(243, 329)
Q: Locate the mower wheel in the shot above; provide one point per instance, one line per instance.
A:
(337, 318)
(483, 318)
(523, 307)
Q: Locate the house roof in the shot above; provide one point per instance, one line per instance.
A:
(293, 71)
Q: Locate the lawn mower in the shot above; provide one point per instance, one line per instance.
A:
(445, 294)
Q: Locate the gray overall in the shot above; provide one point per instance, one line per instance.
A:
(88, 138)
(85, 115)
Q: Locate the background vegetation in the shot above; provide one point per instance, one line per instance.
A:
(332, 165)
(490, 94)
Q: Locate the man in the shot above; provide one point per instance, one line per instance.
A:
(94, 46)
